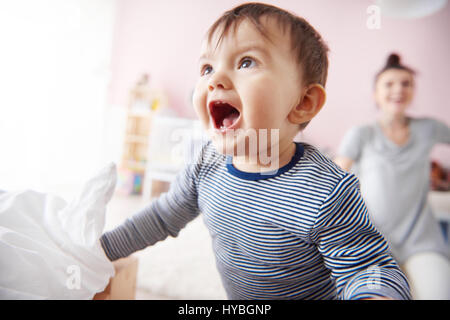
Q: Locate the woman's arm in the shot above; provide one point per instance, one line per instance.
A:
(351, 147)
(441, 132)
(344, 162)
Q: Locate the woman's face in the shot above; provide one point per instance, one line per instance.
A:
(394, 91)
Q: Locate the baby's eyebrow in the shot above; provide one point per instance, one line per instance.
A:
(241, 50)
(252, 47)
(203, 57)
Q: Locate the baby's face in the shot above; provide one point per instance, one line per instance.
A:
(246, 84)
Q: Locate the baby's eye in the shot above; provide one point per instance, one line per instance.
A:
(247, 63)
(206, 69)
(406, 84)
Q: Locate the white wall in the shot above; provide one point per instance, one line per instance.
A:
(55, 72)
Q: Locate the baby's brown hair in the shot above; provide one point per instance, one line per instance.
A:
(307, 44)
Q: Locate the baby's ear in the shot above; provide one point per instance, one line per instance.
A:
(309, 106)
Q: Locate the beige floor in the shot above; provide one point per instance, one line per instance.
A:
(142, 294)
(120, 208)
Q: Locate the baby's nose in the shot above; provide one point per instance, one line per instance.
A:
(219, 81)
(213, 86)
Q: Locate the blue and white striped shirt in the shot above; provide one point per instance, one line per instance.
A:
(300, 233)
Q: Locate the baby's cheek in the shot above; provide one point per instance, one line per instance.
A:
(199, 102)
(263, 112)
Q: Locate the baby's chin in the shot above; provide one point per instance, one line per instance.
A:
(224, 146)
(240, 142)
(237, 146)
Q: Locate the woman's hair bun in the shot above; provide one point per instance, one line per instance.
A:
(393, 60)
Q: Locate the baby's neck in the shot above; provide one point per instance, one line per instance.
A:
(256, 164)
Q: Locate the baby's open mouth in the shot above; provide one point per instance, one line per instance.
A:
(223, 114)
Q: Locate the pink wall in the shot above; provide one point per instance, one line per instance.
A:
(163, 38)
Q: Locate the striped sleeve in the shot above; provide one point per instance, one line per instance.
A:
(355, 252)
(164, 217)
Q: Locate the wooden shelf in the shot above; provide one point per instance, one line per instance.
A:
(138, 166)
(139, 114)
(134, 138)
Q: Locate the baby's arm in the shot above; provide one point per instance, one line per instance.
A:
(165, 216)
(354, 251)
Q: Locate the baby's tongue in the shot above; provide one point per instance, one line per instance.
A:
(228, 121)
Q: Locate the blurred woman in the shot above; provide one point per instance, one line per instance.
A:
(391, 159)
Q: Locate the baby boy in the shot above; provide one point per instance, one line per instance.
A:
(285, 222)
